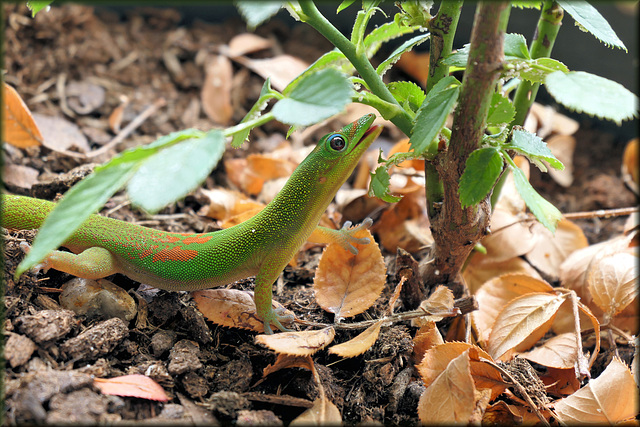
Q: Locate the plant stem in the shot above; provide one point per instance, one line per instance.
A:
(546, 32)
(359, 61)
(443, 29)
(456, 229)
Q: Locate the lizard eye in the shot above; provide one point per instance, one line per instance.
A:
(337, 142)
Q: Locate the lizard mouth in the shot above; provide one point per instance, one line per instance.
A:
(368, 132)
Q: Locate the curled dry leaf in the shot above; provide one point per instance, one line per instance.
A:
(224, 203)
(562, 382)
(562, 147)
(132, 385)
(450, 398)
(608, 399)
(322, 413)
(436, 359)
(281, 69)
(61, 134)
(242, 177)
(18, 126)
(523, 322)
(480, 269)
(216, 90)
(630, 169)
(247, 43)
(440, 301)
(393, 226)
(19, 176)
(269, 167)
(495, 294)
(560, 352)
(359, 344)
(613, 282)
(85, 97)
(303, 343)
(346, 284)
(232, 308)
(286, 361)
(509, 236)
(428, 336)
(550, 250)
(403, 146)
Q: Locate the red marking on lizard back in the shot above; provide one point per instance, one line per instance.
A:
(149, 251)
(174, 254)
(196, 239)
(165, 238)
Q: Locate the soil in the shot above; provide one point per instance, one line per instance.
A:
(212, 374)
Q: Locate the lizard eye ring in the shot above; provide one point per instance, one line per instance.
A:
(337, 142)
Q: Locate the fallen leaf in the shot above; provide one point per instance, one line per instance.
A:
(393, 230)
(630, 169)
(85, 97)
(509, 236)
(440, 301)
(116, 116)
(281, 69)
(225, 203)
(403, 146)
(523, 322)
(243, 177)
(346, 284)
(550, 250)
(18, 125)
(269, 167)
(359, 344)
(495, 294)
(19, 176)
(450, 398)
(613, 282)
(303, 343)
(60, 133)
(415, 64)
(560, 351)
(608, 399)
(500, 413)
(322, 413)
(247, 43)
(232, 308)
(216, 90)
(287, 361)
(562, 147)
(428, 336)
(481, 269)
(560, 381)
(132, 385)
(240, 217)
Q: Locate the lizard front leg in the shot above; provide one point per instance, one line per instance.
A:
(267, 275)
(93, 263)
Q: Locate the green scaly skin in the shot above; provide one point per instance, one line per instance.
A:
(261, 246)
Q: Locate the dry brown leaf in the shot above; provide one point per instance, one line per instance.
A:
(242, 177)
(303, 343)
(480, 269)
(509, 237)
(240, 218)
(450, 398)
(84, 97)
(440, 301)
(346, 284)
(132, 385)
(18, 126)
(561, 382)
(630, 169)
(359, 344)
(552, 122)
(500, 413)
(393, 228)
(550, 250)
(287, 361)
(523, 322)
(232, 308)
(19, 176)
(116, 116)
(216, 90)
(60, 134)
(224, 204)
(495, 294)
(558, 352)
(608, 399)
(247, 43)
(428, 336)
(270, 167)
(322, 413)
(613, 282)
(436, 359)
(415, 64)
(281, 69)
(403, 146)
(562, 147)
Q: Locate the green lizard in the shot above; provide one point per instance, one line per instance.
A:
(261, 246)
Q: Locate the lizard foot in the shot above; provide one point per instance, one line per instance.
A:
(41, 266)
(277, 317)
(348, 235)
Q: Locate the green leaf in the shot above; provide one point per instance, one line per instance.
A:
(345, 4)
(317, 97)
(83, 199)
(589, 19)
(593, 95)
(379, 186)
(537, 70)
(480, 175)
(534, 148)
(515, 46)
(332, 59)
(458, 58)
(405, 47)
(172, 173)
(384, 33)
(545, 212)
(257, 12)
(431, 117)
(265, 95)
(36, 6)
(501, 111)
(408, 94)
